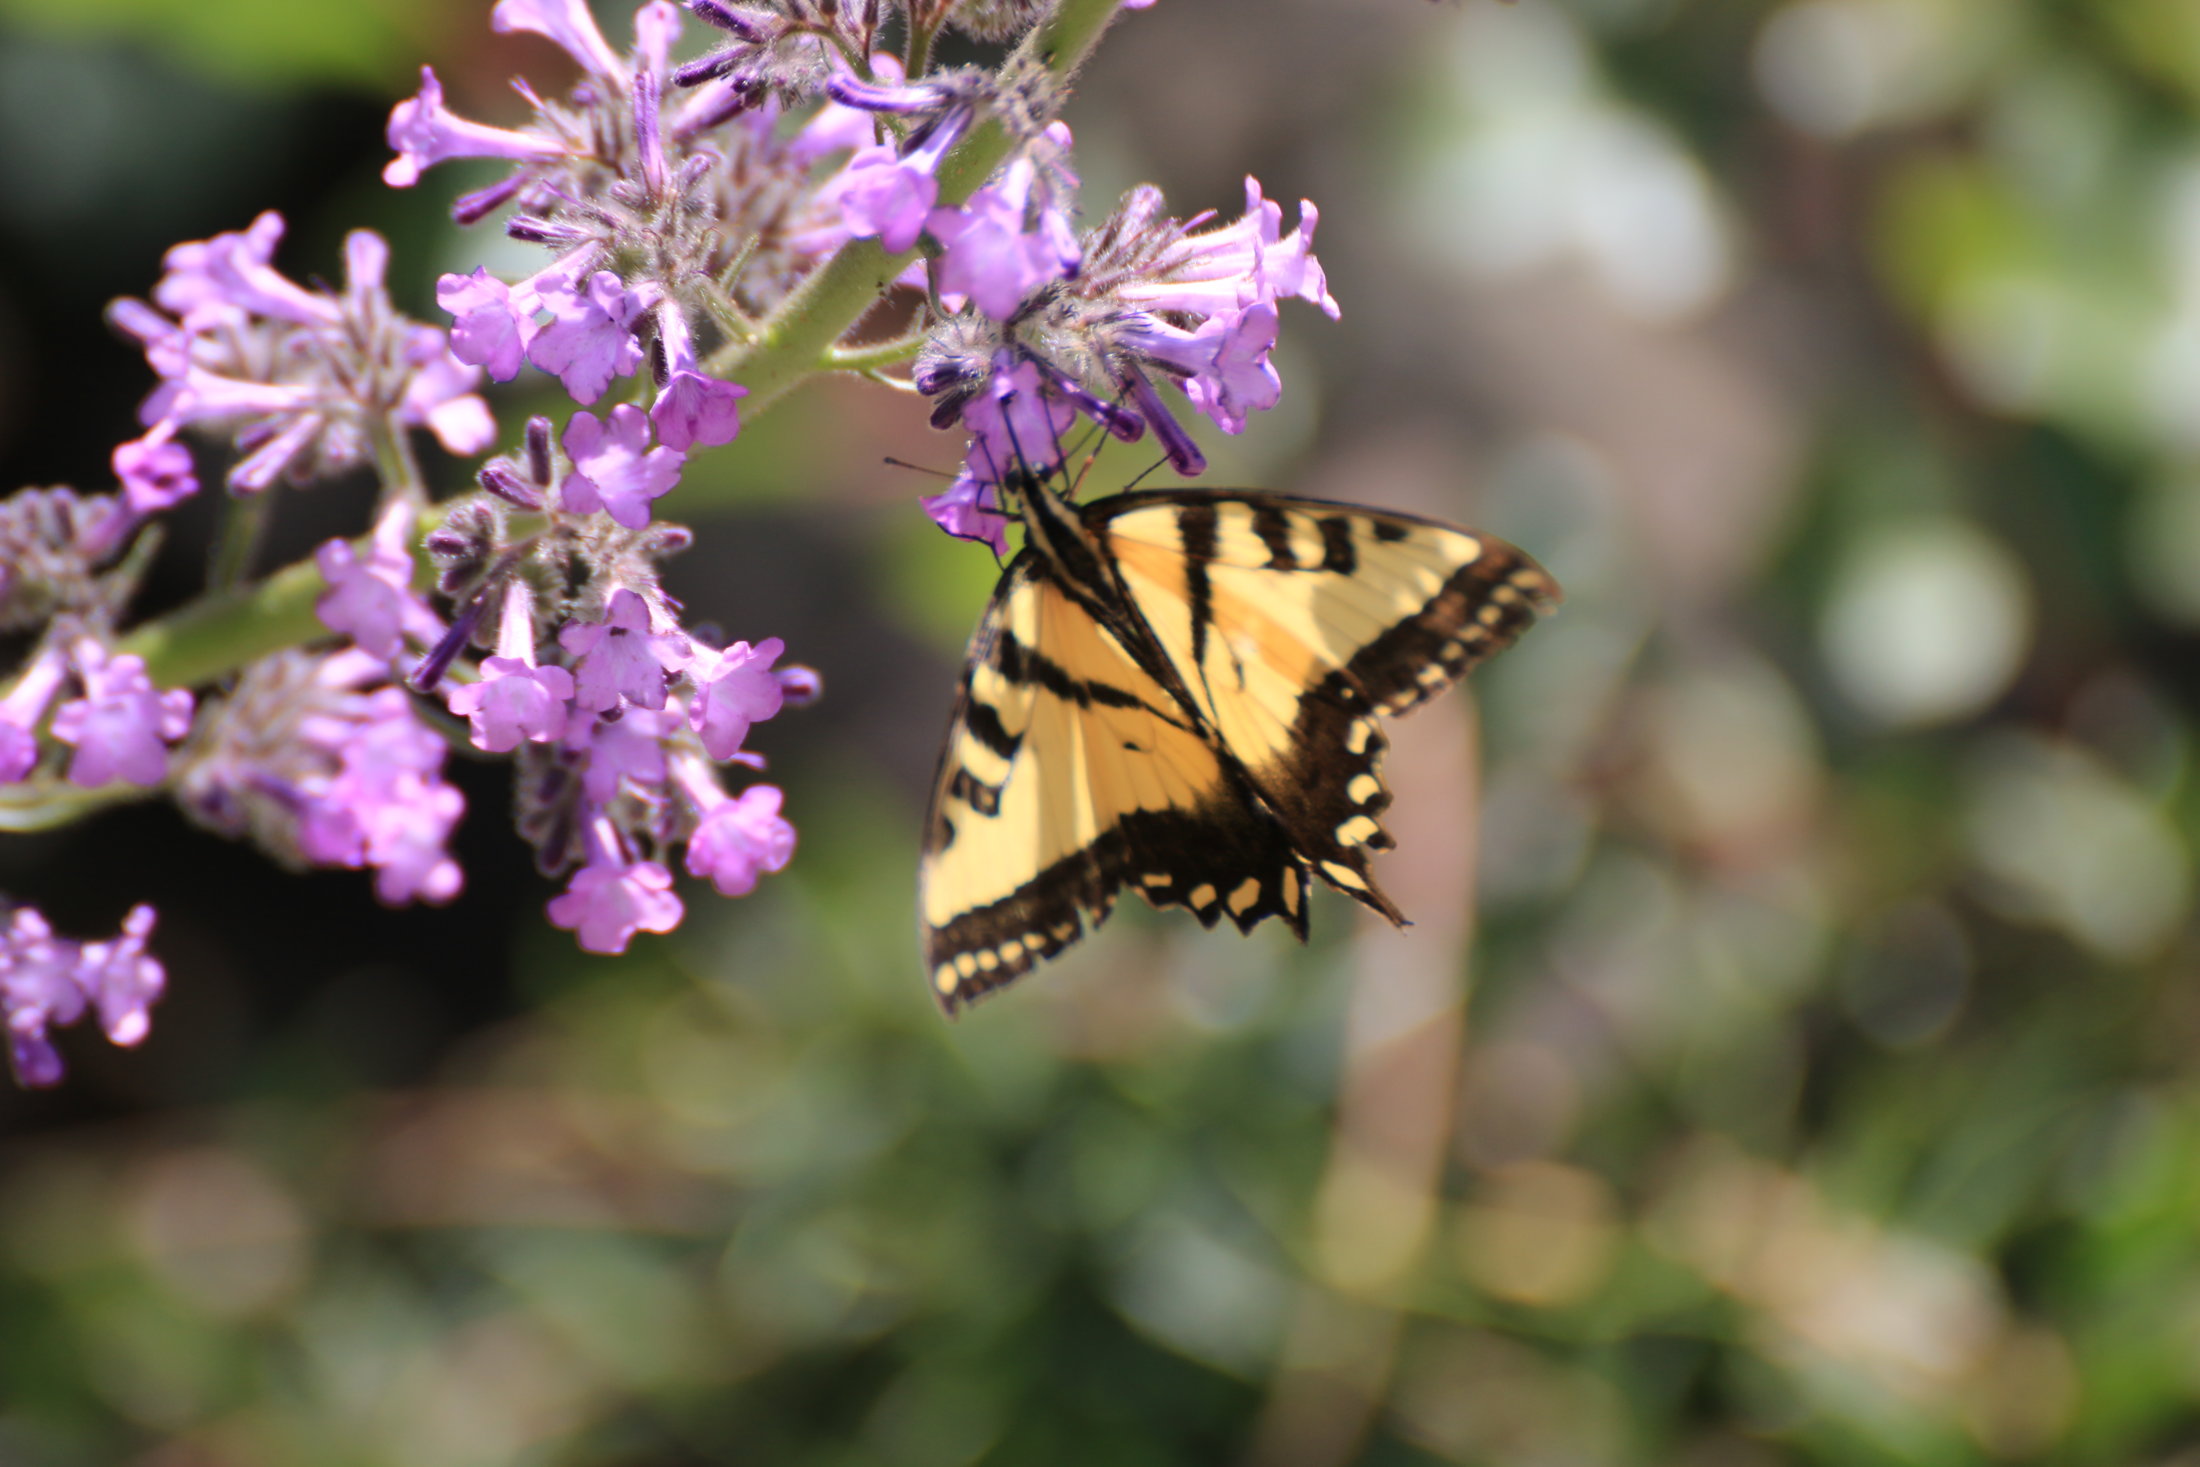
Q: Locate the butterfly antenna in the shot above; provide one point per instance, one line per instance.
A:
(986, 541)
(1146, 473)
(902, 463)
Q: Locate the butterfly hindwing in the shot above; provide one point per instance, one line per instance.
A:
(1070, 773)
(1293, 622)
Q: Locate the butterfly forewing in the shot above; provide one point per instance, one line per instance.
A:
(1292, 622)
(1069, 773)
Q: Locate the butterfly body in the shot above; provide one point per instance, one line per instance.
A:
(1176, 691)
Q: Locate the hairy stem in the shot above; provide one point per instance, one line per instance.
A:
(872, 357)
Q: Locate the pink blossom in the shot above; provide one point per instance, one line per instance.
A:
(489, 330)
(969, 509)
(590, 338)
(370, 598)
(626, 753)
(425, 134)
(21, 709)
(886, 197)
(614, 469)
(733, 689)
(47, 981)
(385, 806)
(566, 22)
(515, 702)
(621, 659)
(740, 839)
(991, 260)
(609, 901)
(156, 472)
(691, 407)
(1015, 420)
(122, 725)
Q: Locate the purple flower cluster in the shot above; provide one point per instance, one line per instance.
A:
(47, 982)
(302, 382)
(319, 759)
(118, 727)
(1054, 330)
(617, 716)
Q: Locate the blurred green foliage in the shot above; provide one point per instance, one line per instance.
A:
(266, 44)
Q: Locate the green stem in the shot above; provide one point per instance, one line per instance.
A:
(398, 465)
(223, 630)
(793, 341)
(920, 50)
(49, 803)
(244, 526)
(871, 358)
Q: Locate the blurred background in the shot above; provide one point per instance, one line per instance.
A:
(1791, 1061)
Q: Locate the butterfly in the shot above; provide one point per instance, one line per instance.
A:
(1176, 691)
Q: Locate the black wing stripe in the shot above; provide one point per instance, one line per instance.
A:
(1022, 664)
(982, 721)
(1337, 552)
(1274, 528)
(1195, 528)
(1240, 850)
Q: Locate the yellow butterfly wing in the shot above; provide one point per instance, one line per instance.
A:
(1293, 622)
(1070, 772)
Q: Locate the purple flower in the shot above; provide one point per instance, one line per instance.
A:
(122, 725)
(295, 377)
(515, 701)
(1016, 420)
(691, 407)
(425, 134)
(1239, 380)
(621, 659)
(439, 395)
(733, 689)
(590, 338)
(38, 989)
(370, 599)
(406, 846)
(122, 981)
(991, 259)
(155, 471)
(614, 469)
(886, 197)
(611, 898)
(488, 332)
(736, 840)
(46, 981)
(969, 509)
(1224, 362)
(567, 22)
(18, 753)
(625, 753)
(21, 709)
(323, 762)
(656, 30)
(187, 284)
(885, 194)
(386, 806)
(238, 269)
(1224, 269)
